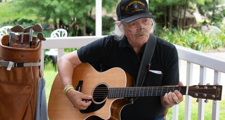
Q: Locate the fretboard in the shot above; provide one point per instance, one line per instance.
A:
(143, 91)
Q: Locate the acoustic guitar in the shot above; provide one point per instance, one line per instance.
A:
(110, 91)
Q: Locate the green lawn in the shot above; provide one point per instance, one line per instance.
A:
(50, 74)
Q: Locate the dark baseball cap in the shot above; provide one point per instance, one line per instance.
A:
(130, 10)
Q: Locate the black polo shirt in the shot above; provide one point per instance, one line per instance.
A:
(107, 53)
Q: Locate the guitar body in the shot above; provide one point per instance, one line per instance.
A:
(88, 80)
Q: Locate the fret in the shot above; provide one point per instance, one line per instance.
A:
(156, 91)
(167, 89)
(139, 91)
(147, 91)
(113, 93)
(162, 91)
(109, 94)
(119, 92)
(152, 91)
(130, 90)
(133, 91)
(143, 91)
(123, 92)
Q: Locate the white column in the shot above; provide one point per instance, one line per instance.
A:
(216, 104)
(42, 62)
(187, 115)
(60, 53)
(201, 104)
(176, 107)
(98, 17)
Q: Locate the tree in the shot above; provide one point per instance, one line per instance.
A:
(163, 10)
(211, 10)
(70, 14)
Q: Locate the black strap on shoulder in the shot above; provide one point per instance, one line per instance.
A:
(146, 60)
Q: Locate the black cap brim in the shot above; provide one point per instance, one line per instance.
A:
(137, 16)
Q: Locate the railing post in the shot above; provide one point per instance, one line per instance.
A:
(176, 107)
(42, 62)
(188, 98)
(147, 2)
(201, 104)
(60, 53)
(98, 17)
(216, 104)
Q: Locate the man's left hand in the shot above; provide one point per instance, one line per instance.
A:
(173, 98)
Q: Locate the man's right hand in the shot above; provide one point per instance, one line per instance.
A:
(78, 99)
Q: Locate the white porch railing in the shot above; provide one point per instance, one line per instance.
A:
(191, 56)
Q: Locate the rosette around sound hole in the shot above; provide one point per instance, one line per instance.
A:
(100, 93)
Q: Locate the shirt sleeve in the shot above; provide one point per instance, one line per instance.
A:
(92, 52)
(171, 68)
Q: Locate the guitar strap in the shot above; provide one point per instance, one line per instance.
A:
(146, 60)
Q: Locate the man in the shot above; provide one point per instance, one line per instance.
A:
(125, 49)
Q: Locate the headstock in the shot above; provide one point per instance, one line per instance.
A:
(213, 92)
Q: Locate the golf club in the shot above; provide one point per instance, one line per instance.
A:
(26, 30)
(40, 36)
(12, 36)
(17, 28)
(35, 28)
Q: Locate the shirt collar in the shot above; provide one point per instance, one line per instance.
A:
(124, 42)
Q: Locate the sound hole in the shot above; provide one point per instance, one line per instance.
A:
(100, 93)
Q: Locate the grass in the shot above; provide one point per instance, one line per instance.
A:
(50, 74)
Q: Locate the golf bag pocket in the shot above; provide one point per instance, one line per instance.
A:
(15, 95)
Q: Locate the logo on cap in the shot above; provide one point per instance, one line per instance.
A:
(135, 5)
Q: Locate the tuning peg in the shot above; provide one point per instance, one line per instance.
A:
(206, 100)
(208, 84)
(204, 95)
(197, 100)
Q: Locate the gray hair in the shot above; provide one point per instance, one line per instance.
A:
(118, 32)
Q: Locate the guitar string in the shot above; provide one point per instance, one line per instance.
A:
(117, 91)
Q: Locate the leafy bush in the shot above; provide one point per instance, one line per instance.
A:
(194, 39)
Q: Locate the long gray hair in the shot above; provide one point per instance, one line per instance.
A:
(119, 31)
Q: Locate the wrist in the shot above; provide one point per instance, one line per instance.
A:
(67, 88)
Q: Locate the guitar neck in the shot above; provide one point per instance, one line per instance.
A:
(143, 91)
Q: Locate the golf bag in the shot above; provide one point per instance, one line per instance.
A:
(19, 78)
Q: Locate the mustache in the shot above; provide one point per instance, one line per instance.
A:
(141, 33)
